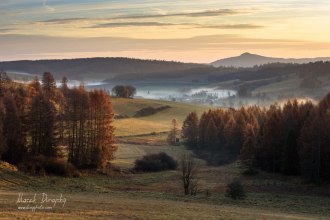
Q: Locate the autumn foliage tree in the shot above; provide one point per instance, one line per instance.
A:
(4, 82)
(13, 132)
(42, 126)
(292, 139)
(314, 140)
(102, 134)
(38, 120)
(42, 117)
(249, 147)
(90, 130)
(3, 144)
(211, 140)
(190, 130)
(77, 119)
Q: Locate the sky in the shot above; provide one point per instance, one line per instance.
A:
(199, 31)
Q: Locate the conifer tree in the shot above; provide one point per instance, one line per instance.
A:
(13, 132)
(230, 133)
(190, 130)
(248, 151)
(48, 85)
(102, 132)
(34, 87)
(78, 109)
(310, 153)
(3, 141)
(4, 82)
(174, 133)
(42, 119)
(272, 145)
(203, 123)
(62, 110)
(290, 158)
(314, 140)
(211, 139)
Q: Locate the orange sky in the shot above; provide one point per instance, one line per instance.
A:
(189, 31)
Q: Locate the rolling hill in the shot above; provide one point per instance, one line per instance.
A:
(159, 122)
(165, 75)
(250, 60)
(95, 68)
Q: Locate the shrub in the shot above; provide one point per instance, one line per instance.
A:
(150, 111)
(8, 166)
(41, 166)
(249, 171)
(155, 162)
(60, 168)
(33, 166)
(235, 190)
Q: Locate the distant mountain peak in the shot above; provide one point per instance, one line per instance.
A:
(249, 60)
(246, 54)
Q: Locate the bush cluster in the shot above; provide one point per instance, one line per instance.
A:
(235, 190)
(155, 162)
(42, 165)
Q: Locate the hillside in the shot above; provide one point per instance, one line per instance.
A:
(250, 60)
(274, 80)
(170, 78)
(94, 68)
(159, 122)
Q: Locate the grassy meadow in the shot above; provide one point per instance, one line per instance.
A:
(156, 123)
(128, 195)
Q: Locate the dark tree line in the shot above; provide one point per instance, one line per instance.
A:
(292, 140)
(122, 91)
(41, 119)
(105, 67)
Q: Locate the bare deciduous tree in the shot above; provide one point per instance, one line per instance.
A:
(189, 169)
(172, 137)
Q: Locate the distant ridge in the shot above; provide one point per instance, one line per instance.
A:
(250, 60)
(98, 68)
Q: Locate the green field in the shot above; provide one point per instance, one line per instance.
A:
(127, 195)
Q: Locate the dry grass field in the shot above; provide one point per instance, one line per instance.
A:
(135, 206)
(160, 122)
(158, 196)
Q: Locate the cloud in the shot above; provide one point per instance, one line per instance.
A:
(47, 7)
(232, 26)
(205, 13)
(188, 25)
(63, 20)
(132, 24)
(6, 30)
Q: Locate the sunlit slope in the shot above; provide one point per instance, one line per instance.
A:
(291, 86)
(11, 178)
(159, 122)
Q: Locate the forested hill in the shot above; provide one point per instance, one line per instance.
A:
(95, 68)
(250, 60)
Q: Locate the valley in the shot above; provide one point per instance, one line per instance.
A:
(127, 195)
(164, 110)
